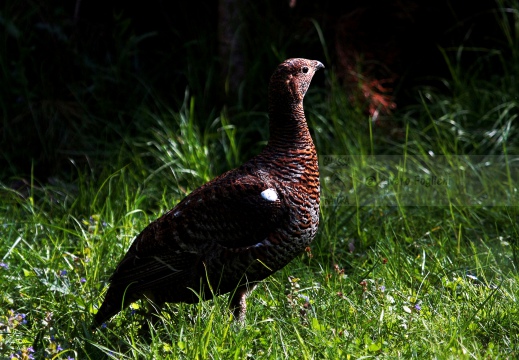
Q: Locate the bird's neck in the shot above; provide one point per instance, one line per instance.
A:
(289, 130)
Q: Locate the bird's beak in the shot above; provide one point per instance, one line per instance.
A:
(318, 65)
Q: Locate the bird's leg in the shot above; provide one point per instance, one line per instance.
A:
(238, 304)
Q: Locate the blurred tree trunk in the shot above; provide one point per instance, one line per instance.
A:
(230, 44)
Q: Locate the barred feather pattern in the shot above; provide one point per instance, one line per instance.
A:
(237, 229)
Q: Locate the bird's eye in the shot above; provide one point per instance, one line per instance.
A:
(304, 69)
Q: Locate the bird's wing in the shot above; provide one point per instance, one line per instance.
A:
(145, 272)
(235, 212)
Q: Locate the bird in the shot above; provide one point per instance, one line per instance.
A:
(239, 228)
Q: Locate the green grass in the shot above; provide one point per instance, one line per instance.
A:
(417, 282)
(398, 268)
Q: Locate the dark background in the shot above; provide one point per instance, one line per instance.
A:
(76, 71)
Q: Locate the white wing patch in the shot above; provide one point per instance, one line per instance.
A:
(269, 195)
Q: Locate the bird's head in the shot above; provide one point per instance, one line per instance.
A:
(290, 81)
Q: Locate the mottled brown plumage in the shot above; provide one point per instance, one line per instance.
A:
(240, 227)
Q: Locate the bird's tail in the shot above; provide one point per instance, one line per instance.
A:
(116, 299)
